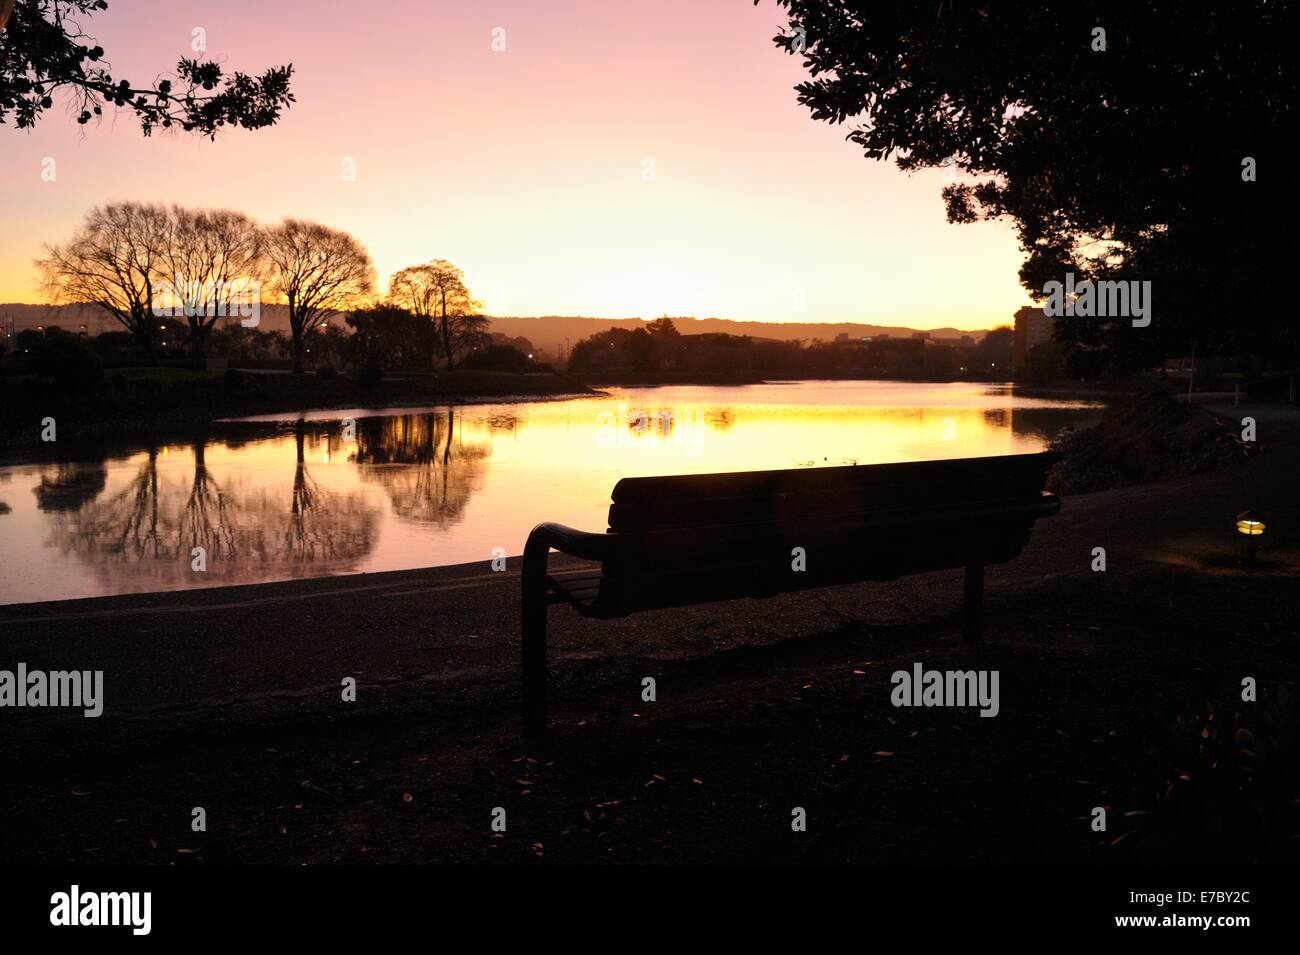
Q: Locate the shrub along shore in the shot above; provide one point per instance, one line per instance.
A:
(134, 402)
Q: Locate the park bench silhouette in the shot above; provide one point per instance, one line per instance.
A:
(691, 539)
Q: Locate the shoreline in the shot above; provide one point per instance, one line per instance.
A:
(242, 427)
(133, 411)
(1283, 448)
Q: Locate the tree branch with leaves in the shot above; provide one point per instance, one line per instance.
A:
(44, 51)
(1113, 135)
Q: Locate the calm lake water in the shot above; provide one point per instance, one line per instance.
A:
(431, 486)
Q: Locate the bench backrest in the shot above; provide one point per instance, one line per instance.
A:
(689, 538)
(796, 495)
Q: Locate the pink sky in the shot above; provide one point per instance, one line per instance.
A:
(525, 167)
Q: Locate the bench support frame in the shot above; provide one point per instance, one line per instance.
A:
(536, 598)
(973, 618)
(533, 617)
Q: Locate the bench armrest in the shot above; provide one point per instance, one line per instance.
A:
(546, 537)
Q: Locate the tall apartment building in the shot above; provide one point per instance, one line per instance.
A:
(1032, 328)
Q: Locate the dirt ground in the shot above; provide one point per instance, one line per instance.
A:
(712, 770)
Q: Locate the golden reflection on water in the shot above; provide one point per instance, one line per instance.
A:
(447, 485)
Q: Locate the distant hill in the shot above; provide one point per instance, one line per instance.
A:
(548, 332)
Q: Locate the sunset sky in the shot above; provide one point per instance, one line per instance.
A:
(525, 167)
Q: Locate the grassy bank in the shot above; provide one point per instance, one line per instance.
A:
(656, 378)
(142, 401)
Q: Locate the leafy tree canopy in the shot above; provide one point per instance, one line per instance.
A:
(44, 50)
(1117, 154)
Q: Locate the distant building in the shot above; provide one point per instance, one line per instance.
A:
(1032, 328)
(897, 355)
(965, 341)
(844, 339)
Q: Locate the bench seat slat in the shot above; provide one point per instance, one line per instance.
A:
(638, 586)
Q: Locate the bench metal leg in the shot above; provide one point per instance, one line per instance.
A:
(533, 617)
(973, 632)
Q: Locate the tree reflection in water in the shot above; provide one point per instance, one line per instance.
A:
(428, 472)
(206, 520)
(149, 527)
(126, 527)
(71, 486)
(321, 527)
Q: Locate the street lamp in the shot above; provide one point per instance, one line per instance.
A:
(1251, 528)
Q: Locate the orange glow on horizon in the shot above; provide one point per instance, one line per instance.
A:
(608, 163)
